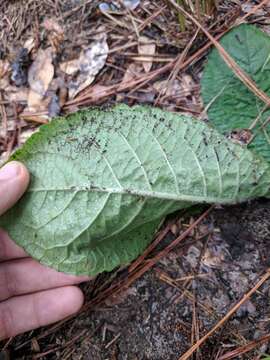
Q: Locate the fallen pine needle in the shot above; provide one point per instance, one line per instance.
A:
(244, 349)
(250, 84)
(187, 354)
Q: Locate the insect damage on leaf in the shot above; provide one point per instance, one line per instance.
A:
(101, 182)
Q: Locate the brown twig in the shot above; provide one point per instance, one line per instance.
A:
(163, 276)
(187, 354)
(177, 65)
(87, 98)
(250, 84)
(151, 18)
(244, 349)
(67, 344)
(254, 9)
(150, 248)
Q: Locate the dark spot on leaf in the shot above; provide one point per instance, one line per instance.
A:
(238, 39)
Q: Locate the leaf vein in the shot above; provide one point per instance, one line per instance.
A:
(137, 158)
(168, 162)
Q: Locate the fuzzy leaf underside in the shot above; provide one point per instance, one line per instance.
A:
(101, 182)
(231, 104)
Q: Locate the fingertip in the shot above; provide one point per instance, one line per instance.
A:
(14, 179)
(23, 174)
(76, 299)
(56, 304)
(14, 170)
(68, 302)
(27, 312)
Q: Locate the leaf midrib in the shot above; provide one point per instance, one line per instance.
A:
(147, 194)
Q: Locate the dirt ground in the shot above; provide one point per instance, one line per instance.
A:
(155, 320)
(168, 308)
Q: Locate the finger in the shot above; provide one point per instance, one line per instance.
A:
(26, 275)
(8, 248)
(14, 179)
(28, 312)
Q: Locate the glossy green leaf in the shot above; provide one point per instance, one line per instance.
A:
(231, 104)
(103, 180)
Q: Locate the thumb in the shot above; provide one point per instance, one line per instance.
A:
(14, 179)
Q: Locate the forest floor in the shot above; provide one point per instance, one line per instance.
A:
(202, 292)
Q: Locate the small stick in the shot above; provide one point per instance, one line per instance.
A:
(112, 341)
(253, 10)
(245, 348)
(151, 247)
(187, 354)
(250, 84)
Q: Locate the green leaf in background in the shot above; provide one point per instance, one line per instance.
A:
(103, 180)
(231, 104)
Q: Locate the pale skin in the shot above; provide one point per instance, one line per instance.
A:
(31, 295)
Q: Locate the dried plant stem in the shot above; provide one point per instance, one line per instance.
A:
(246, 348)
(250, 84)
(255, 9)
(187, 354)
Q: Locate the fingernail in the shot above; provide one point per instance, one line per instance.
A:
(10, 171)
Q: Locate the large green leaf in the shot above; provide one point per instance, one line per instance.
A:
(232, 104)
(103, 180)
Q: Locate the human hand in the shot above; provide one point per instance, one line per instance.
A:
(31, 295)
